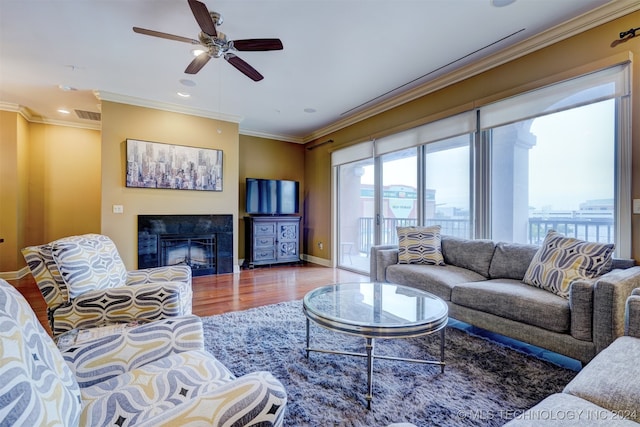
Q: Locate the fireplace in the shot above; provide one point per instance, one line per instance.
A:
(203, 242)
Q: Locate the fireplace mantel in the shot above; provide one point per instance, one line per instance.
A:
(205, 242)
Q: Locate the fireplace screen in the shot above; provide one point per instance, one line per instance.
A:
(198, 252)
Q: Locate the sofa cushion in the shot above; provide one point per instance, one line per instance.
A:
(514, 300)
(561, 260)
(565, 410)
(610, 380)
(88, 262)
(438, 280)
(474, 255)
(511, 260)
(419, 245)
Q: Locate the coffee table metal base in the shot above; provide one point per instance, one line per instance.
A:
(370, 355)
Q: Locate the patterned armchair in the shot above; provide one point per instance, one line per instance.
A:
(85, 283)
(154, 374)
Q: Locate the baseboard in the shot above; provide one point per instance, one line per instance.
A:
(315, 260)
(13, 275)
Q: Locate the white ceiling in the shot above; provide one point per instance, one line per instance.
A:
(340, 57)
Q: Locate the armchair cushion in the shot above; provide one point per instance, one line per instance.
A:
(106, 357)
(87, 263)
(36, 385)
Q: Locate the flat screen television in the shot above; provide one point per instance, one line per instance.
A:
(271, 197)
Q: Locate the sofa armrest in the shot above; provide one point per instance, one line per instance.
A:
(381, 256)
(632, 315)
(175, 273)
(257, 398)
(581, 304)
(100, 359)
(609, 304)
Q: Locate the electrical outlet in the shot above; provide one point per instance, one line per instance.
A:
(320, 246)
(118, 209)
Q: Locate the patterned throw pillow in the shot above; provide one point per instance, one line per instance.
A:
(561, 260)
(88, 262)
(419, 245)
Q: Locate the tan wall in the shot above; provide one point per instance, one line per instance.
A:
(50, 185)
(64, 182)
(120, 122)
(9, 191)
(574, 56)
(268, 159)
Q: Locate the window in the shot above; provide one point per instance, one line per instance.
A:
(557, 162)
(555, 158)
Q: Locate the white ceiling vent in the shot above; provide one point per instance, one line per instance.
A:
(89, 115)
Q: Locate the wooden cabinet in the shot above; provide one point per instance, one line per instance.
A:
(271, 240)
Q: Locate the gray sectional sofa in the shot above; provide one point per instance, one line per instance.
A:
(482, 284)
(606, 392)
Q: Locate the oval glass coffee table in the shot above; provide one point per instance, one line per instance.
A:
(376, 310)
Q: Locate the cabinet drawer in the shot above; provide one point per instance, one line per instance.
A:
(268, 228)
(261, 241)
(264, 254)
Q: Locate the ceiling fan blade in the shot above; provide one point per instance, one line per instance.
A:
(243, 67)
(201, 13)
(164, 35)
(257, 44)
(197, 64)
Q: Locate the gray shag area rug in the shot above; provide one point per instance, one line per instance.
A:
(484, 383)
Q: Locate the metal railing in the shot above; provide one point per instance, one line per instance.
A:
(595, 229)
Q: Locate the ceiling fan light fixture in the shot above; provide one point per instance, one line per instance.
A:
(197, 51)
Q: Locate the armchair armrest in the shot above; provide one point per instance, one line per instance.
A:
(381, 257)
(103, 358)
(632, 317)
(609, 303)
(149, 301)
(263, 399)
(176, 273)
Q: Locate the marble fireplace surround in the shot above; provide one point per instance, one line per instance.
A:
(205, 242)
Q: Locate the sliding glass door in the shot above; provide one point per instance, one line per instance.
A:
(355, 214)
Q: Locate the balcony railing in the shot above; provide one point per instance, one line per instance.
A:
(596, 229)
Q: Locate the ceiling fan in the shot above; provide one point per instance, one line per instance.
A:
(215, 42)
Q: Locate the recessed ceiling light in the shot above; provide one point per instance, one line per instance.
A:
(66, 88)
(309, 110)
(187, 82)
(184, 94)
(502, 3)
(63, 111)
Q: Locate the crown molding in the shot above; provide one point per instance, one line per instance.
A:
(285, 138)
(166, 106)
(16, 108)
(28, 116)
(606, 13)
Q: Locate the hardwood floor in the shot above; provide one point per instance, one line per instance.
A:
(232, 292)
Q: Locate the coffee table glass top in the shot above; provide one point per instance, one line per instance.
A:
(377, 310)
